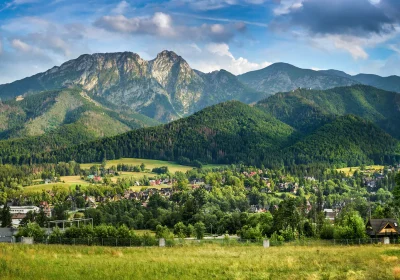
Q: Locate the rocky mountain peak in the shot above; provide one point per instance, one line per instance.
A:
(170, 55)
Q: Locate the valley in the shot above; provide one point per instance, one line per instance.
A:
(150, 150)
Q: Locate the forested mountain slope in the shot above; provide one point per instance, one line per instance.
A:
(45, 112)
(307, 110)
(346, 141)
(227, 132)
(234, 132)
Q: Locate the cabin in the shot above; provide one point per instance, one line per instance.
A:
(382, 228)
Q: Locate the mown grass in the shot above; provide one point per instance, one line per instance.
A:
(198, 262)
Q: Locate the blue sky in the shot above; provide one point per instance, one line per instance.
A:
(237, 35)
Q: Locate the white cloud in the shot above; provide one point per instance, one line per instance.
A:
(220, 57)
(1, 47)
(395, 48)
(121, 8)
(207, 5)
(355, 46)
(15, 3)
(286, 6)
(21, 46)
(159, 24)
(162, 25)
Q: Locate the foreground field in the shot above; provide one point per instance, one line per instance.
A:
(199, 262)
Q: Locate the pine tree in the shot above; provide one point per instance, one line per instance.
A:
(6, 220)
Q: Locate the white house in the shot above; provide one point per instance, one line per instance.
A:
(19, 212)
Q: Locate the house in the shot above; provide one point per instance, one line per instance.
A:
(382, 227)
(330, 214)
(6, 235)
(16, 219)
(46, 208)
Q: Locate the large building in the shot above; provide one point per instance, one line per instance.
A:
(19, 212)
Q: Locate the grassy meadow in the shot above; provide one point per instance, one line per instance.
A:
(150, 164)
(349, 171)
(208, 261)
(72, 181)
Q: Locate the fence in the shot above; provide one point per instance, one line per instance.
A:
(140, 241)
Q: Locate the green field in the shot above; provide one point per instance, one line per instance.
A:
(349, 171)
(150, 164)
(67, 182)
(72, 181)
(209, 261)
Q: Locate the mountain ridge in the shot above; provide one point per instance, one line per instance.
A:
(164, 88)
(306, 109)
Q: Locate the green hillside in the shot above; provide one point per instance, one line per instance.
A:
(230, 132)
(307, 110)
(224, 133)
(58, 119)
(346, 141)
(45, 112)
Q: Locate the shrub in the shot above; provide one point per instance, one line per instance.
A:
(199, 229)
(31, 230)
(180, 230)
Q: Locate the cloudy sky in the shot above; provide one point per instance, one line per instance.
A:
(237, 35)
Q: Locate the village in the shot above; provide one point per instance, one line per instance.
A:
(271, 189)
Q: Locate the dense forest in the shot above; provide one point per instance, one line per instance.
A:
(306, 109)
(230, 132)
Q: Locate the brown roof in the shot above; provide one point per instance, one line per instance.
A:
(375, 226)
(18, 216)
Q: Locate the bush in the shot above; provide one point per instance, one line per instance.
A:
(350, 225)
(163, 232)
(180, 230)
(31, 230)
(199, 229)
(161, 170)
(252, 233)
(276, 238)
(327, 231)
(190, 231)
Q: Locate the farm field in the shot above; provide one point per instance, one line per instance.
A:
(47, 187)
(350, 170)
(69, 181)
(72, 181)
(209, 261)
(150, 164)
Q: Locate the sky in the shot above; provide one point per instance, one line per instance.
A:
(355, 36)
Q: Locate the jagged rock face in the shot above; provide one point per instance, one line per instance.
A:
(164, 88)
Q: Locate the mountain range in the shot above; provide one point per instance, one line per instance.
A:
(167, 88)
(295, 115)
